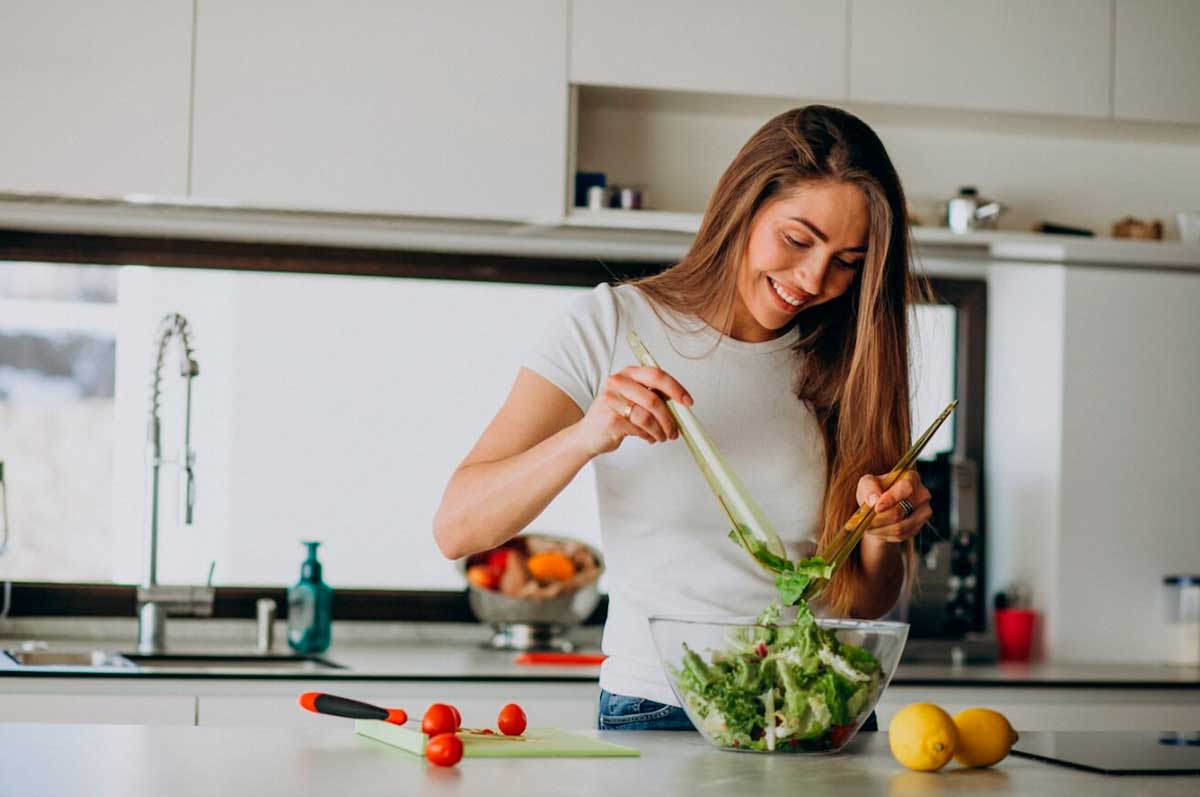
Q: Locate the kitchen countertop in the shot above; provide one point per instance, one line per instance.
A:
(454, 652)
(132, 761)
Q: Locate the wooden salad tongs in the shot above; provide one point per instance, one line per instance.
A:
(844, 542)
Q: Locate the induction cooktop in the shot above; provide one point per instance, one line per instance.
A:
(1116, 752)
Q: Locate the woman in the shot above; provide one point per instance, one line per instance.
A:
(785, 327)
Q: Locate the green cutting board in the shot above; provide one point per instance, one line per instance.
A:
(538, 743)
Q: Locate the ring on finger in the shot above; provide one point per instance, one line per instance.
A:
(628, 411)
(906, 507)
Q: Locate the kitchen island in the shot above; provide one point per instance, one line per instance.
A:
(141, 761)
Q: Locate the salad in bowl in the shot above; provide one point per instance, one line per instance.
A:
(777, 683)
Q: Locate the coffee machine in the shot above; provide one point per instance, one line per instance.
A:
(948, 599)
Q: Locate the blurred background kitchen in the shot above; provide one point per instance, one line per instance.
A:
(367, 211)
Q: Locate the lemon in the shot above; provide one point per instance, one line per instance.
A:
(984, 737)
(922, 737)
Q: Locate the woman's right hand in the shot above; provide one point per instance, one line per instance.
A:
(631, 404)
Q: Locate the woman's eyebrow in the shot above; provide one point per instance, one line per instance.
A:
(824, 238)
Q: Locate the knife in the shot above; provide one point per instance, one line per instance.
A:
(334, 706)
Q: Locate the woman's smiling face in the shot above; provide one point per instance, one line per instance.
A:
(805, 248)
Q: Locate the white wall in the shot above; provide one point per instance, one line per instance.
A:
(1083, 172)
(932, 345)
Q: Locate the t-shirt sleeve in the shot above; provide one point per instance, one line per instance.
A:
(576, 351)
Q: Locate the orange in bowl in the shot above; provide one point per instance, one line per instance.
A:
(550, 566)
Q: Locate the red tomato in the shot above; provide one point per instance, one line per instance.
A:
(439, 718)
(457, 716)
(498, 559)
(444, 750)
(511, 720)
(840, 733)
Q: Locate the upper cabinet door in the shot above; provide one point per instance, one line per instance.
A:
(453, 108)
(785, 48)
(1025, 56)
(94, 96)
(1158, 60)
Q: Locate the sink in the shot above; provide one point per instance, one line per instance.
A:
(233, 661)
(92, 659)
(109, 660)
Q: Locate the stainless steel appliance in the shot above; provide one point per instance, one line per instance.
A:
(968, 211)
(948, 600)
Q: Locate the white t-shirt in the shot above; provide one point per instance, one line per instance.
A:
(663, 533)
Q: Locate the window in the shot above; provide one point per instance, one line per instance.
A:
(58, 328)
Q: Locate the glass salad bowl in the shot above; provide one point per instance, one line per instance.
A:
(778, 684)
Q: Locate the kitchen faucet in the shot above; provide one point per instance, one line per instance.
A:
(155, 600)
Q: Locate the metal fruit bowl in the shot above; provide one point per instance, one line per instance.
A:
(535, 623)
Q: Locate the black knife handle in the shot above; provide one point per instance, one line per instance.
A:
(322, 703)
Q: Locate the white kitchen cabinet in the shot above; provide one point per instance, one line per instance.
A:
(114, 709)
(557, 705)
(1022, 56)
(94, 96)
(454, 108)
(1157, 61)
(787, 48)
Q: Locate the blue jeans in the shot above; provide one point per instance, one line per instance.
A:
(625, 713)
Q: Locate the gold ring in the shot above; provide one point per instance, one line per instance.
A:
(628, 411)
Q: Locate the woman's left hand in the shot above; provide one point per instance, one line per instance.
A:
(891, 524)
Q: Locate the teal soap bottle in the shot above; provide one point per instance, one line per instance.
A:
(310, 608)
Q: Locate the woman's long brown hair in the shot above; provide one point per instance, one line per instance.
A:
(852, 359)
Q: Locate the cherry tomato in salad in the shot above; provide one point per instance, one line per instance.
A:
(511, 720)
(839, 734)
(439, 718)
(444, 750)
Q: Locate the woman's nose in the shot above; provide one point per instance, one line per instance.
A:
(810, 274)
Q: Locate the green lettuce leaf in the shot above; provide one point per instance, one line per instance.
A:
(753, 546)
(792, 582)
(858, 658)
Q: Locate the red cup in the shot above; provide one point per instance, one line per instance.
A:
(1014, 632)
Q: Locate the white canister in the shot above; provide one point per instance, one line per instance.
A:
(1189, 226)
(1183, 620)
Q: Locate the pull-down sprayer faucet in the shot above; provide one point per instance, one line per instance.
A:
(154, 600)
